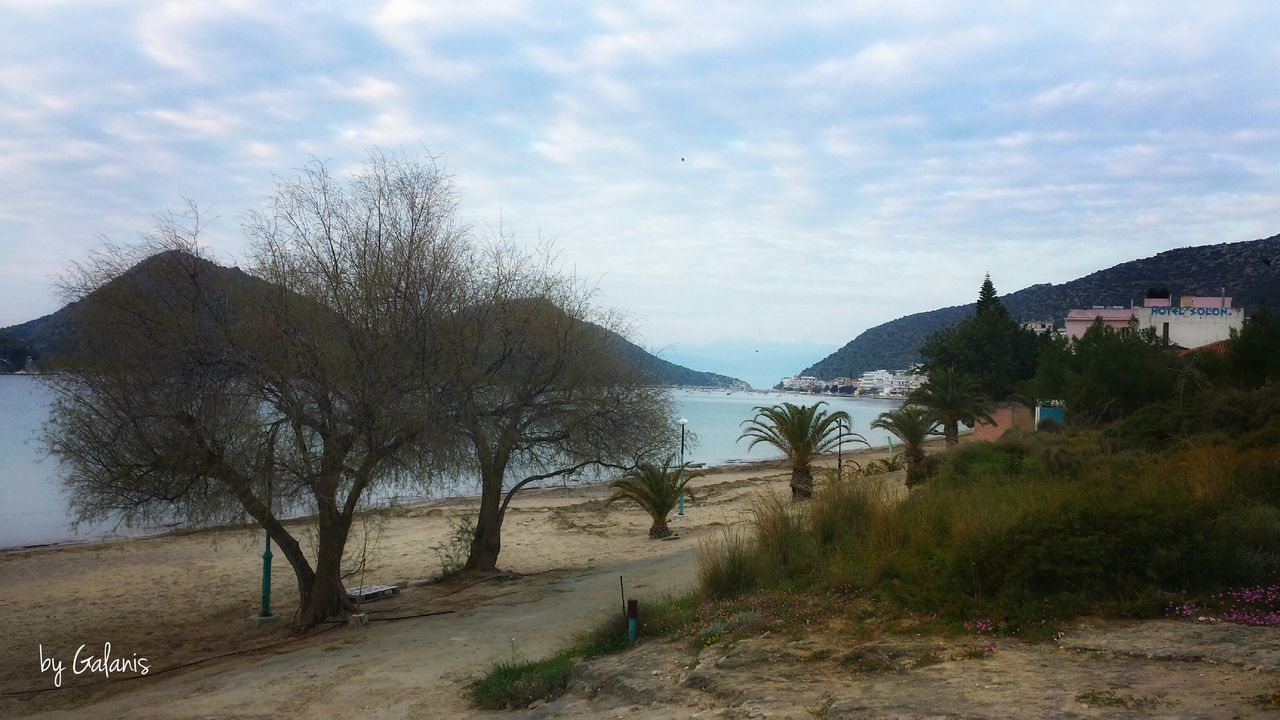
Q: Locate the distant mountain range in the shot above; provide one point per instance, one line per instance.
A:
(1249, 272)
(54, 335)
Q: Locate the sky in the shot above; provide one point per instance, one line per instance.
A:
(752, 183)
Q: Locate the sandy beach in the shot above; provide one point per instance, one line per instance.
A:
(183, 598)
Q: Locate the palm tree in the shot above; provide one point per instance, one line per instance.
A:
(913, 425)
(656, 489)
(954, 400)
(802, 432)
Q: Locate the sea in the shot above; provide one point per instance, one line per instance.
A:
(34, 510)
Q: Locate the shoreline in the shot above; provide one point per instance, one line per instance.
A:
(426, 504)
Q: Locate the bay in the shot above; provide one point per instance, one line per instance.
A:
(34, 506)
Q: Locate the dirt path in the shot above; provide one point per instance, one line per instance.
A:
(411, 668)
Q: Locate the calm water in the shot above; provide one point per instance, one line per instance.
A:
(716, 417)
(34, 507)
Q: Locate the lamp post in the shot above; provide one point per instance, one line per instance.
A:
(683, 422)
(266, 563)
(840, 451)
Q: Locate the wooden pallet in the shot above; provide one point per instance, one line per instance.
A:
(367, 593)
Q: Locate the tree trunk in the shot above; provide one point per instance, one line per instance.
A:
(914, 455)
(325, 596)
(659, 530)
(952, 430)
(487, 541)
(801, 484)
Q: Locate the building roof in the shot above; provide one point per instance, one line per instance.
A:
(1217, 348)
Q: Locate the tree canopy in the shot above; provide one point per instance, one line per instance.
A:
(1253, 354)
(989, 348)
(1106, 373)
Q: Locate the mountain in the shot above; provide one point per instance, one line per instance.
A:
(1248, 271)
(54, 335)
(669, 373)
(13, 352)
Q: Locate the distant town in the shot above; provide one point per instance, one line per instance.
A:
(873, 383)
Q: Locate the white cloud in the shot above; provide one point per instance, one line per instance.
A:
(900, 64)
(200, 119)
(886, 153)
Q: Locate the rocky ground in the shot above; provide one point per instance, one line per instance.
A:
(1165, 669)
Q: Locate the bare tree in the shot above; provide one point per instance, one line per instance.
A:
(547, 392)
(199, 393)
(372, 342)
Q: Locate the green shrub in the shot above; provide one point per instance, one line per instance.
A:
(673, 614)
(456, 546)
(1006, 459)
(1255, 532)
(1097, 548)
(517, 683)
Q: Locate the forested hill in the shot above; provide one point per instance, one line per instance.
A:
(668, 373)
(54, 335)
(1249, 272)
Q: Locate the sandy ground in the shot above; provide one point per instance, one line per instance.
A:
(179, 599)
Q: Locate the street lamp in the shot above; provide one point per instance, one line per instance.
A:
(266, 561)
(683, 422)
(840, 450)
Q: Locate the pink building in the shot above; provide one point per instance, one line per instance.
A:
(1117, 317)
(1194, 322)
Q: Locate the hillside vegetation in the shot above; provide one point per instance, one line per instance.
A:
(1245, 269)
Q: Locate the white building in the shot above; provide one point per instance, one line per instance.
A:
(803, 383)
(884, 383)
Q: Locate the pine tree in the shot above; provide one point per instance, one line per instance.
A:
(987, 299)
(989, 349)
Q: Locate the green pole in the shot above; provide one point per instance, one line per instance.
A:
(683, 422)
(890, 439)
(266, 577)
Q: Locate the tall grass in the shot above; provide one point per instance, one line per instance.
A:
(728, 565)
(1024, 530)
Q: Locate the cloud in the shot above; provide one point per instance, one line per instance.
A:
(200, 119)
(722, 170)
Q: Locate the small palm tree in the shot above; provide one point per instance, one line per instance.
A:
(882, 466)
(912, 425)
(954, 400)
(802, 432)
(656, 489)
